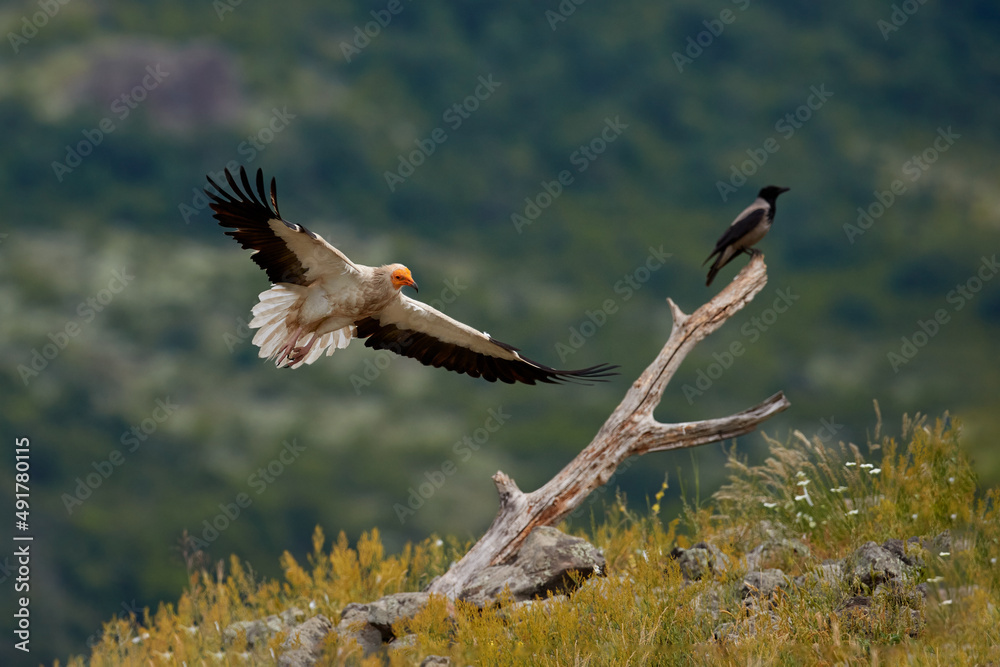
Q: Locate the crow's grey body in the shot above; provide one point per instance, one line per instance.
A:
(749, 227)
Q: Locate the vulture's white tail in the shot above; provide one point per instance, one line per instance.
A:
(270, 317)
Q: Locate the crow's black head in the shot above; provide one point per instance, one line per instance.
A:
(771, 192)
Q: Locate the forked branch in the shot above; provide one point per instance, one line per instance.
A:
(631, 430)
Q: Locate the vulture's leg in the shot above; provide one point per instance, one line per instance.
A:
(289, 346)
(301, 352)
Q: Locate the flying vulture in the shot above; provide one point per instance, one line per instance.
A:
(320, 300)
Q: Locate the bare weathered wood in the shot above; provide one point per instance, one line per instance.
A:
(631, 430)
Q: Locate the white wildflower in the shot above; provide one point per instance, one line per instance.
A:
(853, 512)
(874, 471)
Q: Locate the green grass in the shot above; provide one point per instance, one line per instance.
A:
(643, 611)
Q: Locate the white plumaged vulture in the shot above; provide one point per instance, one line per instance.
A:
(320, 300)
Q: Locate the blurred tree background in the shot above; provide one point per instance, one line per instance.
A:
(124, 307)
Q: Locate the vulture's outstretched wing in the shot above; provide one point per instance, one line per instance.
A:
(414, 329)
(289, 253)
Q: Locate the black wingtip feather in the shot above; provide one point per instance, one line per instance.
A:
(432, 352)
(274, 196)
(247, 213)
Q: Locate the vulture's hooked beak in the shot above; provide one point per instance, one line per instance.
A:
(406, 280)
(402, 277)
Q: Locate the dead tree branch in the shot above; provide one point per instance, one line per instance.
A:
(631, 430)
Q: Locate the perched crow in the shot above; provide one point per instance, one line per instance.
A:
(749, 227)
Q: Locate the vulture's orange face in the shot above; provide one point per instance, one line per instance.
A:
(401, 278)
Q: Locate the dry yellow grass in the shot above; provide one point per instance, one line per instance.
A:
(830, 498)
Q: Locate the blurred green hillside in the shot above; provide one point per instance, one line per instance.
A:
(124, 307)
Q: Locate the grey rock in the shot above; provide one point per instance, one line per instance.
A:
(693, 563)
(383, 613)
(547, 561)
(763, 583)
(943, 542)
(291, 616)
(256, 631)
(354, 625)
(870, 566)
(896, 593)
(855, 613)
(296, 658)
(371, 624)
(700, 560)
(909, 553)
(260, 630)
(854, 602)
(897, 548)
(304, 643)
(539, 603)
(862, 612)
(436, 661)
(826, 575)
(935, 545)
(403, 643)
